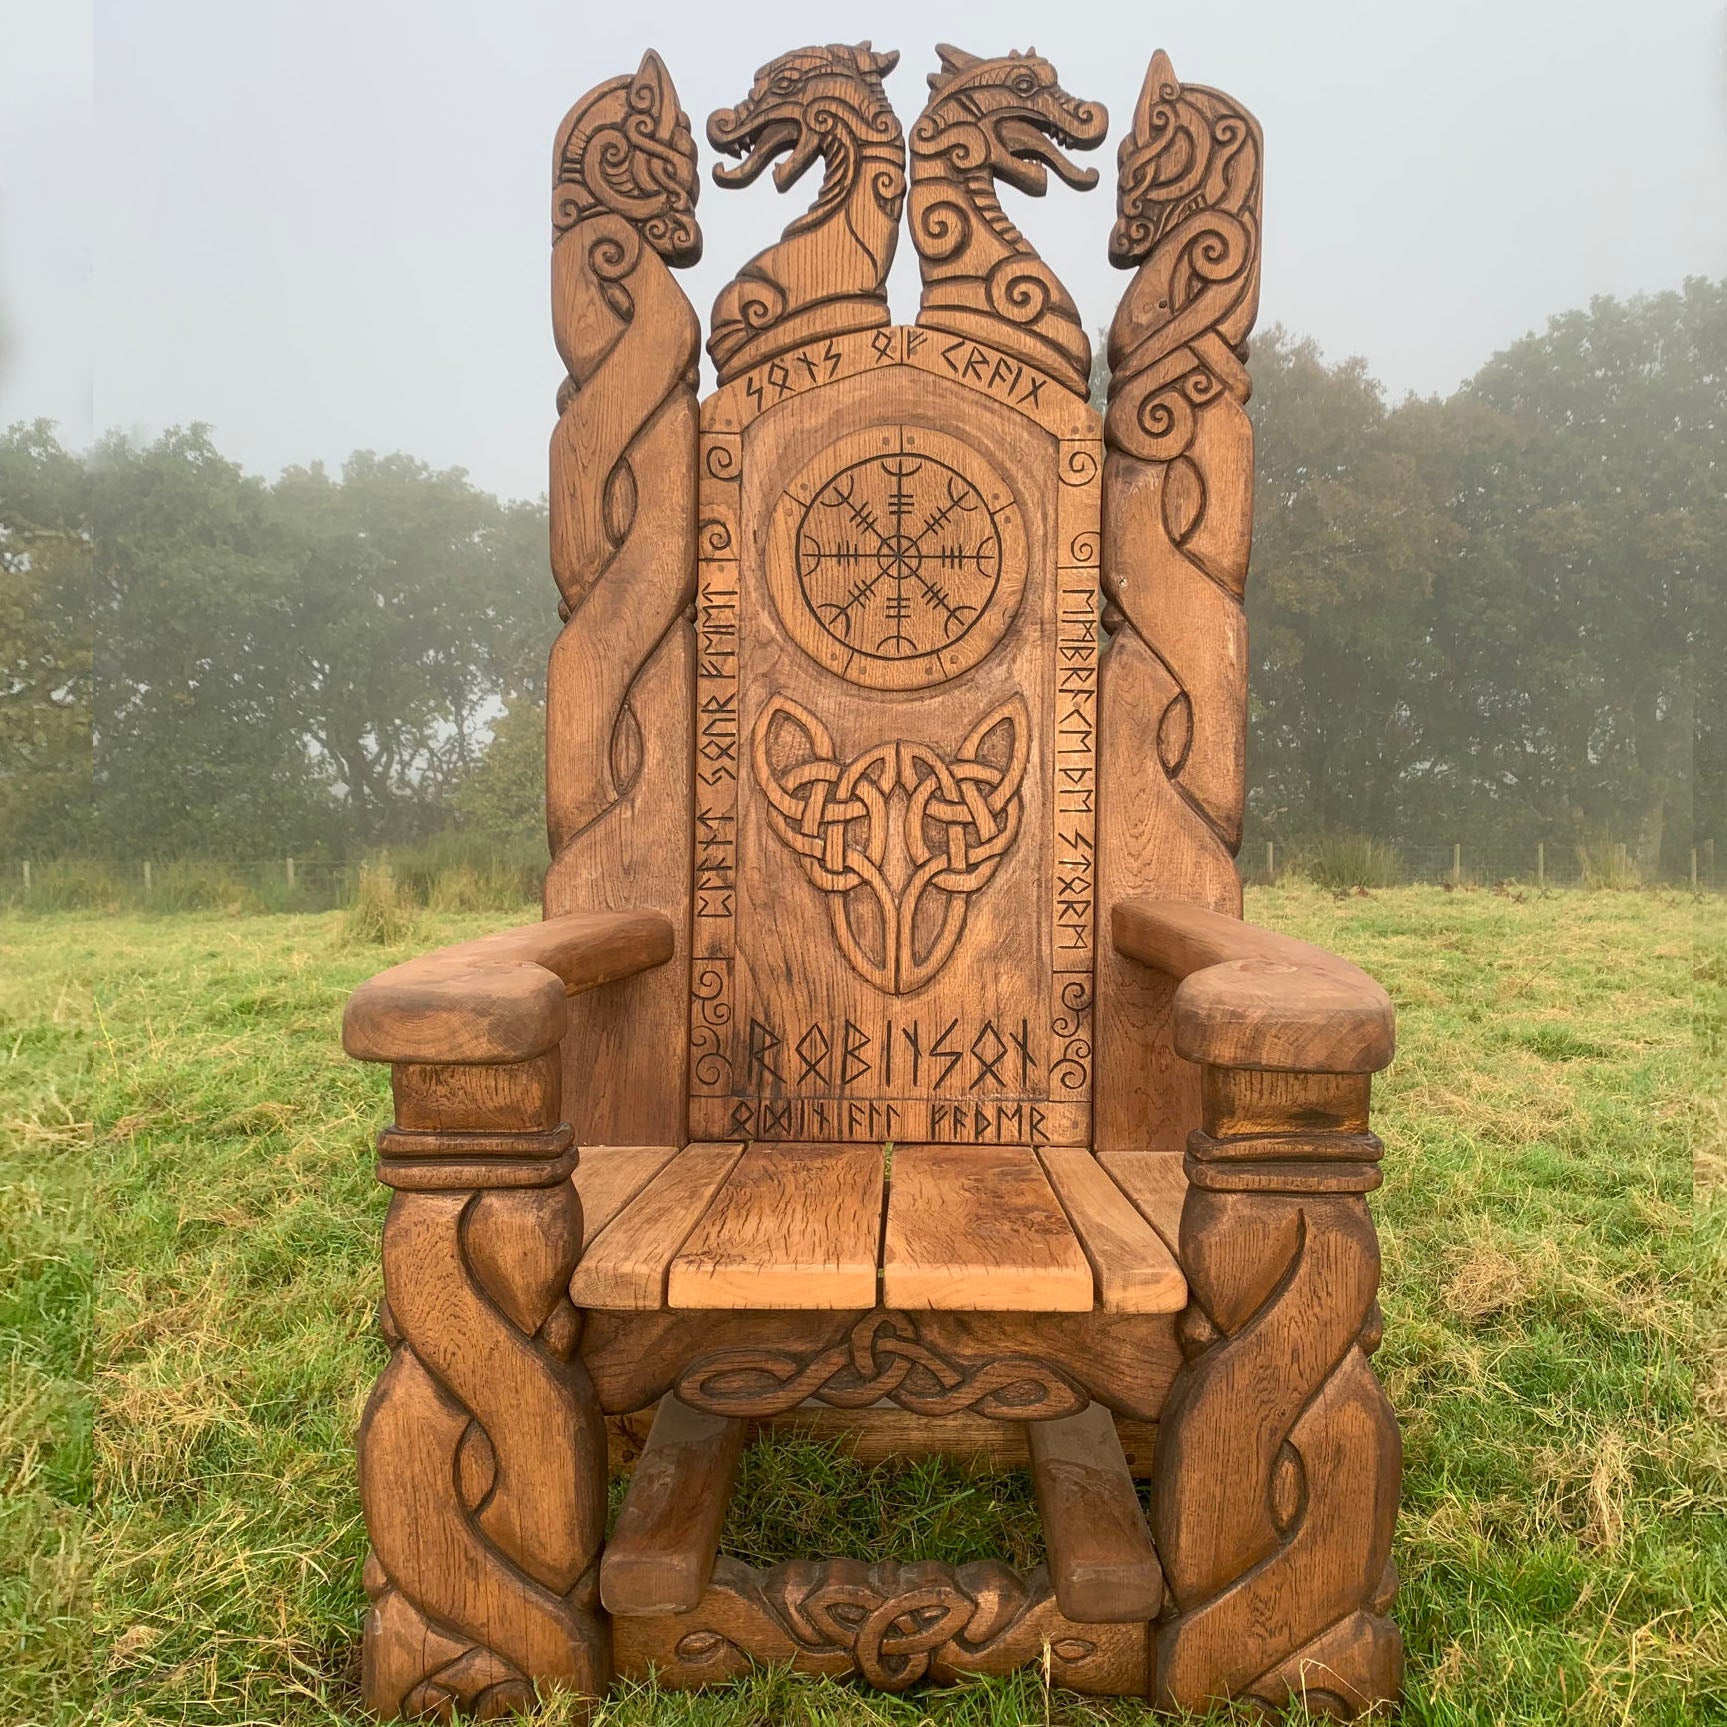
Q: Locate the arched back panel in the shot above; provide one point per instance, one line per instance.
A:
(896, 640)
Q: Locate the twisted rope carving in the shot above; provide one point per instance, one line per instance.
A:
(884, 1357)
(961, 819)
(623, 455)
(827, 273)
(1179, 476)
(482, 1461)
(893, 1624)
(1282, 1581)
(990, 119)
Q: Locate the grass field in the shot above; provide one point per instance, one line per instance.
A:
(186, 1325)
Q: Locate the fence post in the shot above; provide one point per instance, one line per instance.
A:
(1271, 863)
(1709, 860)
(1457, 865)
(26, 875)
(1541, 863)
(149, 883)
(1621, 860)
(1694, 869)
(290, 873)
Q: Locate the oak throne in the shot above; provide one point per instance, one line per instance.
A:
(891, 1056)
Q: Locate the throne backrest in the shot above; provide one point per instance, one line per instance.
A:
(860, 686)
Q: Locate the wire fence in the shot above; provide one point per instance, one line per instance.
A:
(481, 881)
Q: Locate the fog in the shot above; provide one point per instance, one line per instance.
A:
(323, 225)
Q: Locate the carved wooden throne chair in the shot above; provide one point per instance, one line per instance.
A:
(891, 1055)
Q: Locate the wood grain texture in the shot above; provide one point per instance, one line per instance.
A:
(622, 513)
(861, 967)
(827, 274)
(1156, 1183)
(513, 1097)
(791, 1226)
(482, 1461)
(1000, 118)
(1249, 998)
(1100, 1554)
(627, 1263)
(608, 1177)
(660, 1555)
(1275, 1490)
(1135, 1269)
(978, 1230)
(1177, 528)
(501, 998)
(892, 1624)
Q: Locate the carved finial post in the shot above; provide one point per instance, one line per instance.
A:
(622, 500)
(986, 120)
(1177, 526)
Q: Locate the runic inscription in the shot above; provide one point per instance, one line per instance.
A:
(901, 560)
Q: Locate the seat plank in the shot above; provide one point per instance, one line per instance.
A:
(608, 1177)
(1101, 1559)
(1135, 1270)
(792, 1226)
(660, 1556)
(1157, 1184)
(627, 1264)
(978, 1228)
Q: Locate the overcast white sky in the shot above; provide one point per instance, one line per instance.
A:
(322, 225)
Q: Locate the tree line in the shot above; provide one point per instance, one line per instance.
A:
(1498, 613)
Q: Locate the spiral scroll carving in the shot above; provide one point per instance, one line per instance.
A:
(1179, 497)
(827, 273)
(986, 120)
(482, 1461)
(623, 454)
(1282, 1583)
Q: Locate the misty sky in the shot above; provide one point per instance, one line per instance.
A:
(323, 224)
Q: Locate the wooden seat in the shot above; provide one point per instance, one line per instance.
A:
(891, 1058)
(783, 1227)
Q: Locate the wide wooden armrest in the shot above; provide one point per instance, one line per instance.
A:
(1252, 998)
(500, 998)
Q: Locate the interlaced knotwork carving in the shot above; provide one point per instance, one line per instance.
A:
(893, 1624)
(960, 819)
(482, 1461)
(1177, 537)
(988, 119)
(1282, 1583)
(884, 1357)
(827, 274)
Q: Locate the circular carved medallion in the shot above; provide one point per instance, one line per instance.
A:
(897, 558)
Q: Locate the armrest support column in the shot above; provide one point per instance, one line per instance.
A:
(1278, 1458)
(482, 1449)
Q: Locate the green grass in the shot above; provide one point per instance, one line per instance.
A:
(206, 1282)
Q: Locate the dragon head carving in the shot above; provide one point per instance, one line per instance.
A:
(625, 150)
(1007, 117)
(801, 103)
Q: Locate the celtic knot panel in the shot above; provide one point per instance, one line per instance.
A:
(898, 879)
(900, 559)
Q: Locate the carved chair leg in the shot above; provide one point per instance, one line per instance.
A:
(1278, 1456)
(482, 1450)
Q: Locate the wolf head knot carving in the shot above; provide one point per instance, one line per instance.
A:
(897, 879)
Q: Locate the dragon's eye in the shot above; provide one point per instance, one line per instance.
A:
(1025, 84)
(787, 82)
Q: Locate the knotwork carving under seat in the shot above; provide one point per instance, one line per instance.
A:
(898, 838)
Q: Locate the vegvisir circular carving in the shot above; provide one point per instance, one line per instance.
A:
(898, 558)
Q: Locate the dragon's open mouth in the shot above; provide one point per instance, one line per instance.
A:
(757, 142)
(1032, 140)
